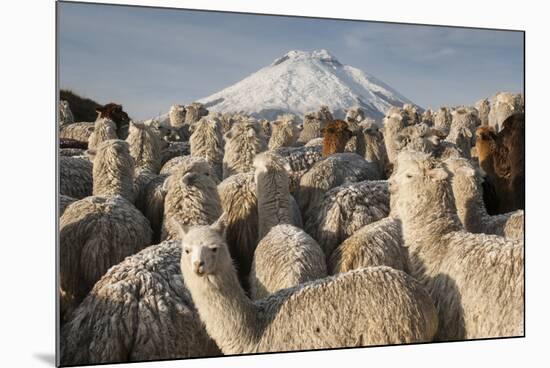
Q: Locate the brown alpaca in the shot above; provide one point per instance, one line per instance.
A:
(502, 157)
(335, 136)
(114, 112)
(512, 136)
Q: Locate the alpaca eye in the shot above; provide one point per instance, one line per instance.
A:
(409, 176)
(214, 250)
(187, 251)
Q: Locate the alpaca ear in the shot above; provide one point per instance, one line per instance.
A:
(228, 135)
(220, 225)
(250, 133)
(437, 174)
(182, 229)
(323, 130)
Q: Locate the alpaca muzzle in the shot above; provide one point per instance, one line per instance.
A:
(198, 268)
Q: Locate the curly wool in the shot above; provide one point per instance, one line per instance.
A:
(104, 129)
(388, 307)
(174, 149)
(377, 244)
(191, 197)
(345, 209)
(300, 160)
(242, 143)
(75, 177)
(285, 257)
(329, 173)
(140, 310)
(113, 170)
(78, 131)
(144, 142)
(96, 233)
(64, 202)
(207, 142)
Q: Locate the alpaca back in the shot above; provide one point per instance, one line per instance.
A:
(75, 177)
(477, 284)
(104, 129)
(114, 170)
(96, 233)
(78, 131)
(345, 209)
(362, 294)
(285, 257)
(377, 244)
(329, 173)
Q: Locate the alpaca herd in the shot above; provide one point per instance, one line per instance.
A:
(217, 233)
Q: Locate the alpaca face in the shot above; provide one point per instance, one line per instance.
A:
(416, 182)
(204, 250)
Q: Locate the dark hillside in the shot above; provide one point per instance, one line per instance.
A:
(83, 108)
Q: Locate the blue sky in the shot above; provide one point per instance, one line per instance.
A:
(148, 59)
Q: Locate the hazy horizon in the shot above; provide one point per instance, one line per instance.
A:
(150, 58)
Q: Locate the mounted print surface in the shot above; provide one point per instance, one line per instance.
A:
(236, 183)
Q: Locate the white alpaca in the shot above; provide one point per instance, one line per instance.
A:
(349, 309)
(286, 255)
(476, 280)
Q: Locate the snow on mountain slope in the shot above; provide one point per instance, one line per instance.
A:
(301, 82)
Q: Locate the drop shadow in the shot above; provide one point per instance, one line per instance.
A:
(47, 358)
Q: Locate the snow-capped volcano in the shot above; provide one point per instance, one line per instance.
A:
(300, 82)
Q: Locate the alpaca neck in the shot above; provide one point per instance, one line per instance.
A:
(230, 317)
(424, 224)
(469, 203)
(273, 195)
(485, 157)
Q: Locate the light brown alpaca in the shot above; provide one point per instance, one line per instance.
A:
(335, 136)
(493, 158)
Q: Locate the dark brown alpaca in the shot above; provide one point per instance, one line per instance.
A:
(502, 157)
(335, 136)
(114, 112)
